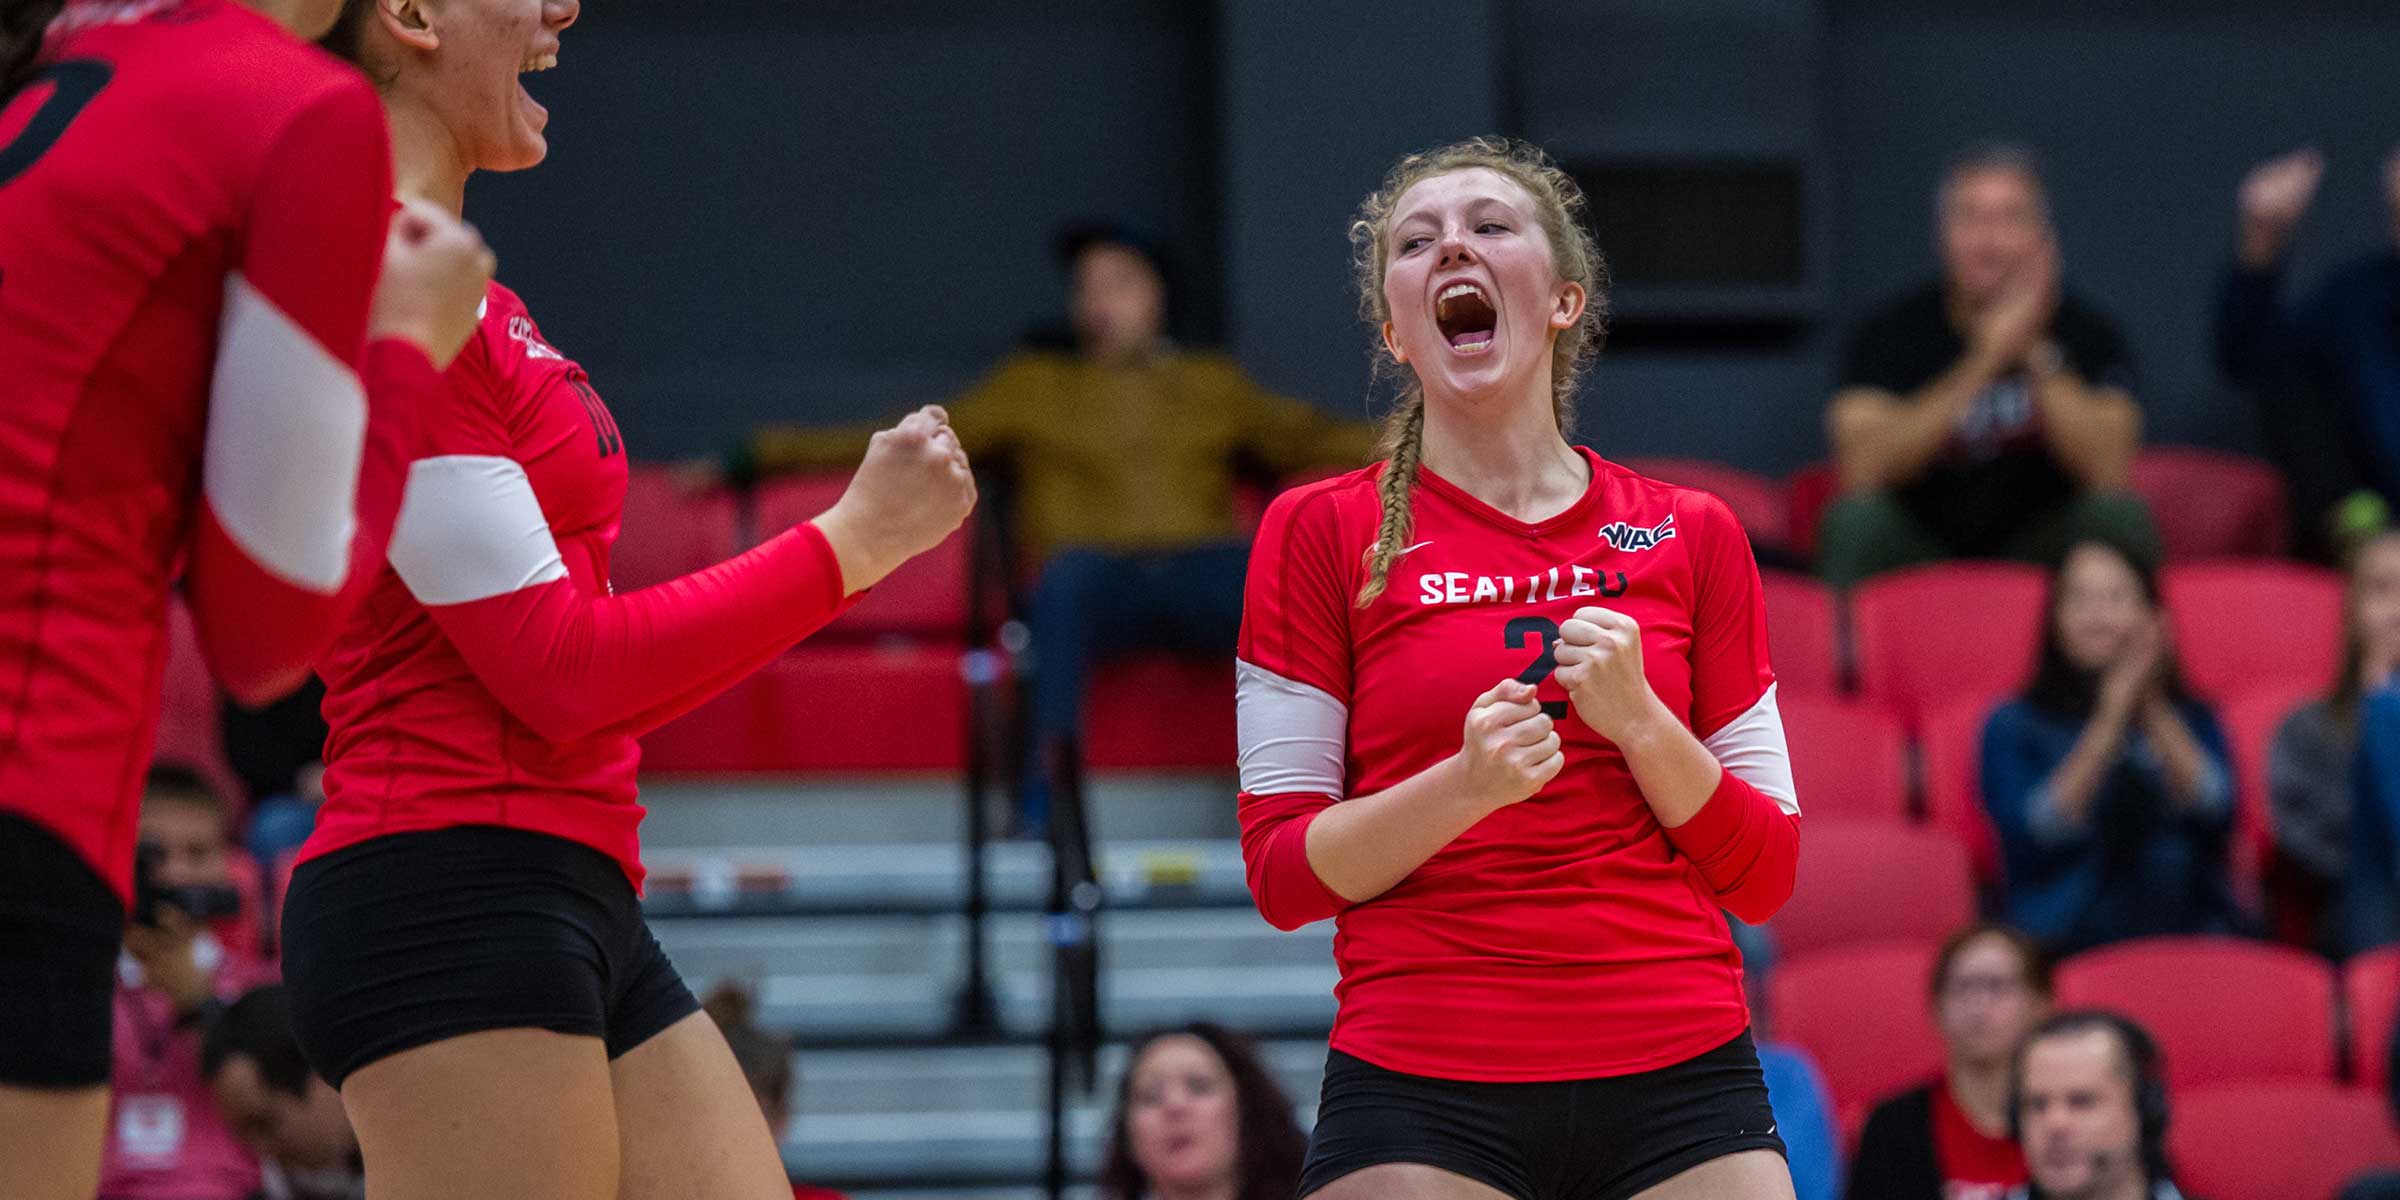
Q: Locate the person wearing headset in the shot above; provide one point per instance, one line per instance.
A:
(2089, 1109)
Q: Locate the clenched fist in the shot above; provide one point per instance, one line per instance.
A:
(912, 489)
(1510, 749)
(1599, 656)
(435, 267)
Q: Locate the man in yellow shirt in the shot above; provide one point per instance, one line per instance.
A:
(1126, 453)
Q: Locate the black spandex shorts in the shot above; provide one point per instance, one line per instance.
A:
(1585, 1139)
(412, 938)
(60, 926)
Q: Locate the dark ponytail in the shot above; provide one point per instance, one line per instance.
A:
(22, 23)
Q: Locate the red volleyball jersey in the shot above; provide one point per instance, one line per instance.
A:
(192, 212)
(1568, 936)
(492, 677)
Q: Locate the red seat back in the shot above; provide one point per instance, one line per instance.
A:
(2210, 504)
(2287, 1140)
(2223, 1009)
(1953, 629)
(669, 531)
(1951, 752)
(1869, 880)
(1802, 634)
(2240, 625)
(928, 596)
(2371, 987)
(1849, 759)
(1864, 1014)
(1757, 501)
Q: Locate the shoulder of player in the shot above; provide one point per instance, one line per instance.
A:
(1332, 512)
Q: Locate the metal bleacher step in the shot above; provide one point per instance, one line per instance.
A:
(928, 808)
(967, 1113)
(919, 878)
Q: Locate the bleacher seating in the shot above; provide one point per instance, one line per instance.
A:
(2240, 625)
(2223, 1009)
(1950, 752)
(1928, 634)
(1849, 759)
(1803, 633)
(668, 530)
(2284, 1140)
(2211, 504)
(189, 720)
(2250, 720)
(1757, 502)
(1872, 880)
(1863, 1012)
(2371, 1002)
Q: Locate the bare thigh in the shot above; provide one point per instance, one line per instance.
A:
(1748, 1175)
(50, 1138)
(1406, 1181)
(688, 1126)
(506, 1114)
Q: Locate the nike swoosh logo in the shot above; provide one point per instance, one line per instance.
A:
(1413, 549)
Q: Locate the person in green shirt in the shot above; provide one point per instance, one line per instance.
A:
(1126, 453)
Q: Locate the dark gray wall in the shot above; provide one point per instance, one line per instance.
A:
(757, 208)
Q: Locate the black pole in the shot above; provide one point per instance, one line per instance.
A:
(1073, 926)
(974, 1013)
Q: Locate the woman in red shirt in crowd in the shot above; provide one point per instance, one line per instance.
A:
(204, 385)
(463, 937)
(1539, 996)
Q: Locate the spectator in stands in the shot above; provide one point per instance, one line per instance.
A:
(290, 1118)
(1125, 451)
(2106, 779)
(2326, 373)
(2310, 766)
(2373, 895)
(766, 1062)
(1796, 1090)
(187, 946)
(1988, 413)
(278, 752)
(1949, 1140)
(1199, 1117)
(2089, 1098)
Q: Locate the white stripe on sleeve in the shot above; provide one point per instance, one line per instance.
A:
(287, 422)
(1293, 737)
(1752, 747)
(471, 528)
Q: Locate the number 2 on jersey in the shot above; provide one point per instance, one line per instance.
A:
(1538, 671)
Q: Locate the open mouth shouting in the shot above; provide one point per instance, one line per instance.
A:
(1464, 314)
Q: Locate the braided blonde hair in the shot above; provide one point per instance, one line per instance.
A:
(1559, 205)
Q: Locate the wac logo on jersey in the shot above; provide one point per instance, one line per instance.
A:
(1622, 536)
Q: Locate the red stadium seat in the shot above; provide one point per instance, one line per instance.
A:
(1757, 501)
(1863, 1012)
(2287, 1140)
(1802, 634)
(1812, 490)
(835, 707)
(2223, 1009)
(2250, 722)
(1160, 711)
(2371, 985)
(668, 531)
(2210, 504)
(927, 596)
(2240, 625)
(190, 724)
(1951, 751)
(1849, 760)
(1948, 630)
(1867, 880)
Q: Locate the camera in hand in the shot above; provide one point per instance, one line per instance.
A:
(200, 902)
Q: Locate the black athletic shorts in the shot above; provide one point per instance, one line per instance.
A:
(412, 938)
(1584, 1139)
(60, 926)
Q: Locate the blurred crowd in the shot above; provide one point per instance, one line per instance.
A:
(1991, 411)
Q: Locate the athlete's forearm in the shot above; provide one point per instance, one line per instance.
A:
(1745, 846)
(1363, 847)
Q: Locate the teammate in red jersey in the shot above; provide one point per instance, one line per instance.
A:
(202, 378)
(1539, 996)
(463, 940)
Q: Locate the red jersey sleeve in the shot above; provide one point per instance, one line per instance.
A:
(303, 463)
(1292, 700)
(474, 547)
(1745, 841)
